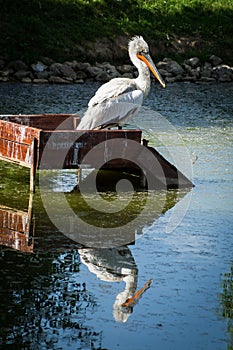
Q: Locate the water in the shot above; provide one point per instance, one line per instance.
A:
(59, 296)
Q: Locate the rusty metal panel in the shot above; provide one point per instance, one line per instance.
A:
(17, 142)
(14, 220)
(18, 133)
(15, 240)
(44, 121)
(69, 144)
(72, 146)
(15, 229)
(16, 152)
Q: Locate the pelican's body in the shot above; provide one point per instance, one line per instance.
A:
(119, 99)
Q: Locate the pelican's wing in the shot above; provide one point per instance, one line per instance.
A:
(116, 110)
(112, 89)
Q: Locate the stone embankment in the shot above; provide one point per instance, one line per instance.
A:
(48, 71)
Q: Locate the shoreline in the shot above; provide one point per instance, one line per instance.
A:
(46, 71)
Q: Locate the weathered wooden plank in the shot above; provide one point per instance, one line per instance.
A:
(34, 153)
(18, 133)
(16, 152)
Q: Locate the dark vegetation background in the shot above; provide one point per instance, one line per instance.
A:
(67, 29)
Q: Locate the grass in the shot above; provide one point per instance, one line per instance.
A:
(54, 28)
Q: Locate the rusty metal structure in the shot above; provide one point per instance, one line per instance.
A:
(25, 138)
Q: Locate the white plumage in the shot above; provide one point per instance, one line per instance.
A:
(115, 102)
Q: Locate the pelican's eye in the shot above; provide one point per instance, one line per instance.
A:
(143, 52)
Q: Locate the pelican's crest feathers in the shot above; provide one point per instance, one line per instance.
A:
(137, 44)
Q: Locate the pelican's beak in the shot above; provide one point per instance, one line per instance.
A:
(145, 57)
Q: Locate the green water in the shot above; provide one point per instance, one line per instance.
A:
(61, 296)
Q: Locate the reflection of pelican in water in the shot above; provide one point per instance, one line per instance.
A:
(114, 265)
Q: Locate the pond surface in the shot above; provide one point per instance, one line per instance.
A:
(57, 295)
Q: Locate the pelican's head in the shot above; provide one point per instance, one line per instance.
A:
(139, 50)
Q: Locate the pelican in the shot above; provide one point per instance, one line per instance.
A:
(116, 101)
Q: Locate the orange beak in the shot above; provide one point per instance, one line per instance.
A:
(150, 64)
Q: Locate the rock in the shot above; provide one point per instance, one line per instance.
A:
(58, 80)
(193, 62)
(42, 75)
(5, 72)
(68, 63)
(26, 80)
(207, 65)
(110, 70)
(17, 65)
(63, 70)
(196, 72)
(215, 60)
(171, 67)
(225, 78)
(223, 73)
(128, 75)
(82, 66)
(102, 72)
(192, 72)
(206, 72)
(81, 75)
(173, 79)
(40, 81)
(102, 76)
(21, 74)
(69, 79)
(38, 67)
(93, 71)
(175, 68)
(167, 59)
(188, 69)
(79, 81)
(190, 79)
(4, 79)
(207, 79)
(55, 68)
(47, 71)
(162, 65)
(68, 72)
(47, 61)
(125, 68)
(164, 73)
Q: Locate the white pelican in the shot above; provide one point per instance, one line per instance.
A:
(120, 98)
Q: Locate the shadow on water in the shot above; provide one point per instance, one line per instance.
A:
(43, 300)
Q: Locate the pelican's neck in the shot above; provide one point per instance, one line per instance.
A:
(143, 79)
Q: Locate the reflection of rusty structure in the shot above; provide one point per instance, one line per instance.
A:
(16, 229)
(23, 231)
(23, 139)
